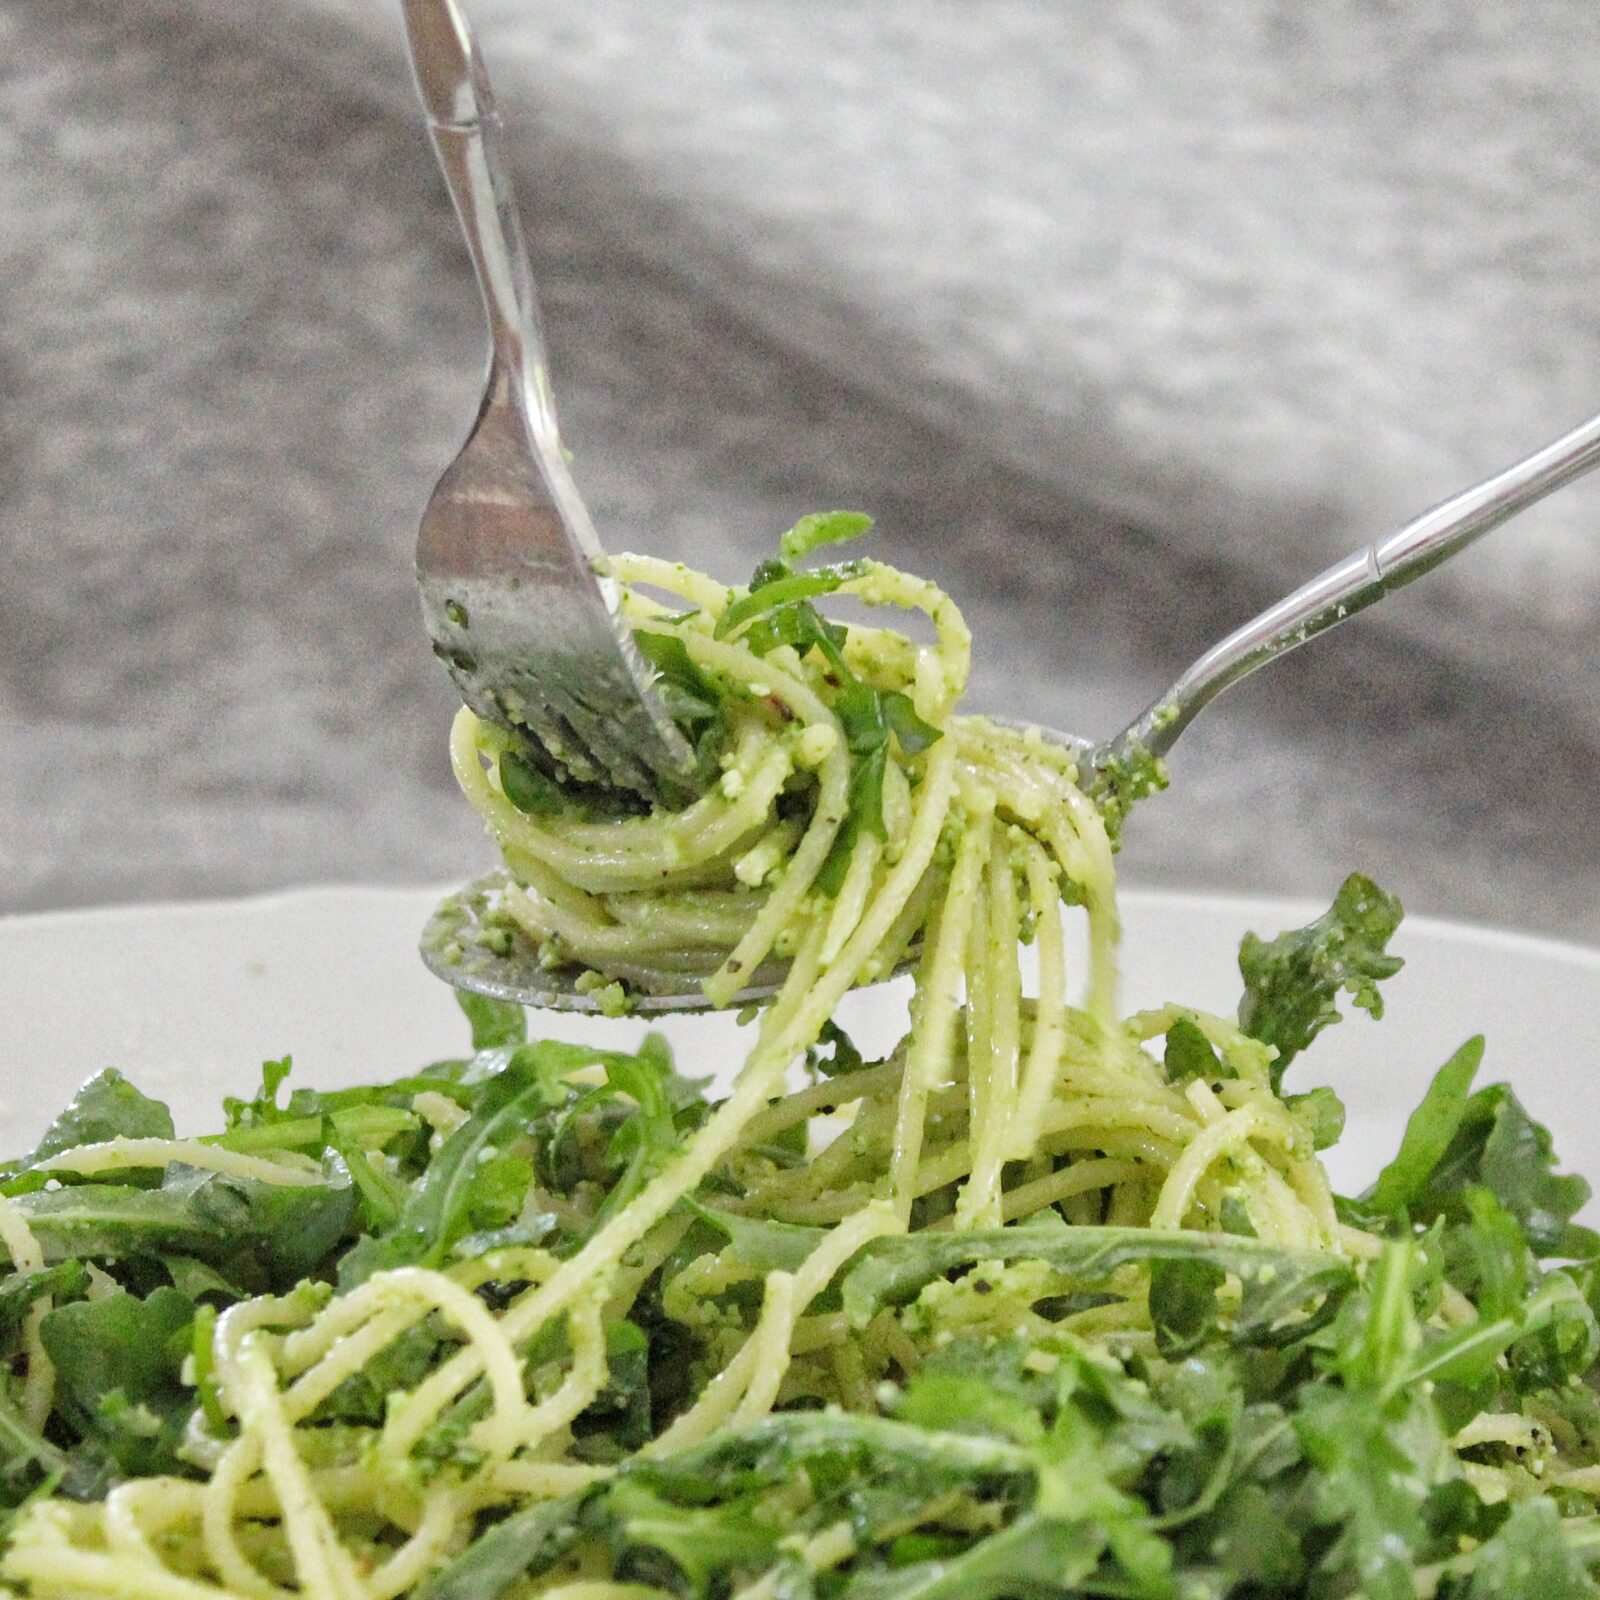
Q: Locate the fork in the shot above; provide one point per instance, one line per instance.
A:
(514, 595)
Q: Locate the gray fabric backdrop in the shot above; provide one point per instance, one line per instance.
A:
(1118, 318)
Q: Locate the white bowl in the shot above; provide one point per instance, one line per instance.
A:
(188, 999)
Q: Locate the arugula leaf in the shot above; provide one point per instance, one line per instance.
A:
(104, 1108)
(692, 695)
(971, 1386)
(1429, 1130)
(1516, 1160)
(401, 1364)
(1496, 1145)
(646, 1140)
(1372, 1486)
(782, 595)
(876, 1472)
(527, 1231)
(701, 1542)
(1035, 1555)
(1378, 1332)
(762, 1244)
(777, 610)
(1183, 1303)
(1559, 1339)
(1386, 1485)
(1189, 1055)
(1083, 1490)
(1090, 1433)
(1252, 1543)
(66, 1280)
(203, 1354)
(118, 1361)
(1528, 1559)
(868, 717)
(27, 1458)
(494, 1022)
(768, 1452)
(844, 1058)
(617, 1421)
(264, 1108)
(1376, 1440)
(380, 1196)
(1285, 1294)
(1486, 1253)
(369, 1113)
(110, 1220)
(463, 1190)
(267, 1235)
(368, 1126)
(531, 791)
(1292, 982)
(1469, 1355)
(1323, 1113)
(519, 1546)
(695, 701)
(899, 715)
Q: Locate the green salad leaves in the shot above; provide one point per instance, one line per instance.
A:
(1419, 1417)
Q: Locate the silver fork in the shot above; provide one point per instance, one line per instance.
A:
(462, 946)
(507, 557)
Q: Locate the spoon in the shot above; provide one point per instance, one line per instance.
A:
(1119, 771)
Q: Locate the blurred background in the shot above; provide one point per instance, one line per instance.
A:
(1121, 320)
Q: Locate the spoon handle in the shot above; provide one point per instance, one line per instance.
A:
(1360, 580)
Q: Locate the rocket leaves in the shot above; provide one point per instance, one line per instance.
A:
(1292, 982)
(1025, 1412)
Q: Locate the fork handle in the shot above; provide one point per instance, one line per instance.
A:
(1360, 580)
(469, 140)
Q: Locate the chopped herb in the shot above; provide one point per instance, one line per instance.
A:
(1292, 983)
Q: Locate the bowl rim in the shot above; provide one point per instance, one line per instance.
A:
(1146, 897)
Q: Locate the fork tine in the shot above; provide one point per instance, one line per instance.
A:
(602, 735)
(589, 741)
(562, 744)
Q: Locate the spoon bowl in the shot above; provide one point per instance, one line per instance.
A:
(466, 945)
